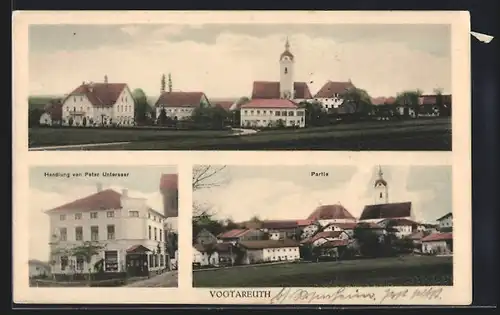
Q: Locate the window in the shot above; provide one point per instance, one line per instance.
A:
(161, 235)
(290, 113)
(155, 234)
(380, 195)
(270, 112)
(93, 215)
(245, 112)
(277, 113)
(79, 263)
(251, 112)
(162, 262)
(154, 218)
(149, 215)
(111, 260)
(78, 216)
(133, 213)
(62, 217)
(286, 70)
(283, 113)
(264, 112)
(94, 233)
(258, 112)
(64, 262)
(111, 232)
(110, 214)
(151, 261)
(63, 234)
(149, 231)
(79, 233)
(300, 113)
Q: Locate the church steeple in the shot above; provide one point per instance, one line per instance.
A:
(381, 189)
(287, 44)
(287, 90)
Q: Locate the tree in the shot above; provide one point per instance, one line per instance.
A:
(409, 98)
(214, 117)
(162, 83)
(315, 114)
(372, 243)
(87, 250)
(141, 105)
(358, 98)
(162, 118)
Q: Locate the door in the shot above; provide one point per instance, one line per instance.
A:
(137, 265)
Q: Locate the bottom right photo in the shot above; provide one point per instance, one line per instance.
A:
(322, 226)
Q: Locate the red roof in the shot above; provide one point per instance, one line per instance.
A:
(328, 212)
(386, 211)
(54, 108)
(335, 243)
(180, 99)
(270, 103)
(268, 244)
(233, 233)
(103, 200)
(401, 222)
(432, 99)
(438, 237)
(226, 105)
(100, 94)
(304, 222)
(279, 224)
(331, 88)
(271, 89)
(317, 236)
(169, 181)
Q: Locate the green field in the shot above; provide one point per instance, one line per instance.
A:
(394, 271)
(419, 134)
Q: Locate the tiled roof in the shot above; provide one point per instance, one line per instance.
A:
(233, 233)
(226, 105)
(401, 222)
(169, 181)
(100, 94)
(449, 214)
(180, 99)
(271, 89)
(268, 244)
(54, 108)
(279, 224)
(385, 211)
(304, 222)
(343, 226)
(327, 212)
(317, 236)
(103, 200)
(270, 103)
(335, 243)
(438, 237)
(330, 88)
(416, 236)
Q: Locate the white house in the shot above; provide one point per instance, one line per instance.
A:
(438, 243)
(38, 268)
(129, 230)
(202, 257)
(446, 221)
(330, 94)
(323, 237)
(328, 214)
(98, 104)
(180, 105)
(347, 227)
(272, 113)
(270, 251)
(402, 227)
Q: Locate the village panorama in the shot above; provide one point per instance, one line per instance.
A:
(386, 245)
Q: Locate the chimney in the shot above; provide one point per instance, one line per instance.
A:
(124, 192)
(99, 187)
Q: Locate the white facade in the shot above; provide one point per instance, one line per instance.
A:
(437, 247)
(37, 270)
(325, 222)
(274, 236)
(446, 222)
(330, 103)
(81, 110)
(269, 117)
(333, 227)
(272, 254)
(116, 229)
(309, 231)
(176, 113)
(45, 119)
(286, 77)
(321, 241)
(204, 259)
(403, 230)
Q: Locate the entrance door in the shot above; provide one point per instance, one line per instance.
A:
(137, 265)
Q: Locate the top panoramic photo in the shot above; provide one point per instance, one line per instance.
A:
(240, 87)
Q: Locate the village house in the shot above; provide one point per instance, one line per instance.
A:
(99, 104)
(438, 243)
(130, 232)
(322, 237)
(282, 229)
(204, 237)
(327, 214)
(347, 227)
(402, 227)
(238, 235)
(38, 268)
(52, 113)
(180, 105)
(445, 223)
(269, 251)
(330, 94)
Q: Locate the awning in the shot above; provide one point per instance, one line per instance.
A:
(137, 249)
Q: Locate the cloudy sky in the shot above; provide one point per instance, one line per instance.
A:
(49, 192)
(223, 60)
(290, 192)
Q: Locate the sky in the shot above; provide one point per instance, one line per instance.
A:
(223, 60)
(49, 192)
(290, 192)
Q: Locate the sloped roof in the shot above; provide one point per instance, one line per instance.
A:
(279, 224)
(234, 233)
(99, 94)
(438, 237)
(54, 109)
(270, 103)
(317, 236)
(226, 105)
(268, 244)
(344, 226)
(330, 88)
(271, 89)
(386, 211)
(335, 243)
(180, 99)
(102, 200)
(169, 181)
(327, 212)
(449, 214)
(401, 222)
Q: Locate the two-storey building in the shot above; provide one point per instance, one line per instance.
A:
(121, 232)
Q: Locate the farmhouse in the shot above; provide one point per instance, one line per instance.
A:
(327, 214)
(323, 237)
(347, 227)
(269, 251)
(330, 94)
(180, 105)
(52, 114)
(99, 104)
(204, 237)
(438, 243)
(402, 227)
(237, 235)
(446, 222)
(126, 232)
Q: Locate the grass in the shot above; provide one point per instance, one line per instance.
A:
(420, 134)
(394, 271)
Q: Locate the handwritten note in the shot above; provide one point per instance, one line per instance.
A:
(359, 296)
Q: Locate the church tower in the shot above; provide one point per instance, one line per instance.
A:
(380, 189)
(286, 73)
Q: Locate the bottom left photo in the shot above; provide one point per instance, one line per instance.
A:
(103, 226)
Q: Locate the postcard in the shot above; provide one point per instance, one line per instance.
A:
(242, 158)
